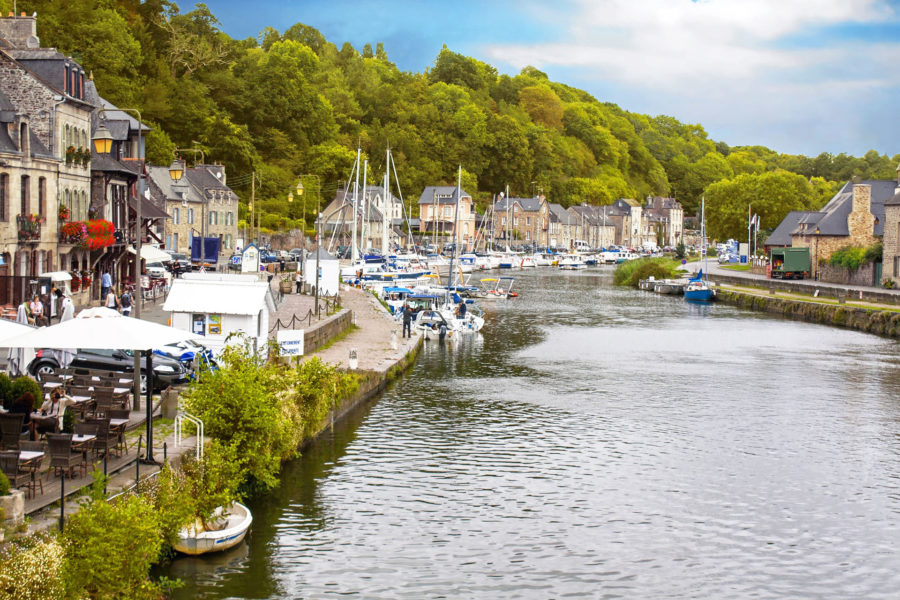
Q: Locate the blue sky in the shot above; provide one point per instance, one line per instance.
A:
(798, 76)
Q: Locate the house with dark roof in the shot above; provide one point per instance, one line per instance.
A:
(521, 219)
(438, 215)
(853, 217)
(44, 127)
(665, 220)
(200, 204)
(337, 218)
(563, 228)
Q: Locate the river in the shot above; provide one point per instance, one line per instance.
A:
(597, 442)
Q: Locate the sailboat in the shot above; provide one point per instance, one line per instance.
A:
(698, 289)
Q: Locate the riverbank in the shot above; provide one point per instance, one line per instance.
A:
(870, 317)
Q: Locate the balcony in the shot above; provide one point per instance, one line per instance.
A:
(29, 228)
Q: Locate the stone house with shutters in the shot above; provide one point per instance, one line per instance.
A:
(563, 229)
(438, 216)
(44, 151)
(526, 220)
(199, 203)
(337, 218)
(665, 221)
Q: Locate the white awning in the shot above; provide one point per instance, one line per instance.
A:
(153, 254)
(57, 276)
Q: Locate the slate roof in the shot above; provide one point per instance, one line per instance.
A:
(441, 194)
(107, 164)
(204, 179)
(558, 214)
(527, 204)
(832, 218)
(172, 191)
(118, 122)
(782, 234)
(7, 110)
(896, 199)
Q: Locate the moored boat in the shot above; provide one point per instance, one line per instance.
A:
(235, 522)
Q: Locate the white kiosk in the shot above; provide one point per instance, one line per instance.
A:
(329, 272)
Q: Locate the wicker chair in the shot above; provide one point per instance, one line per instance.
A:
(121, 413)
(103, 402)
(11, 425)
(62, 460)
(33, 467)
(106, 440)
(9, 464)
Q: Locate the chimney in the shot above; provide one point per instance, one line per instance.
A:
(20, 32)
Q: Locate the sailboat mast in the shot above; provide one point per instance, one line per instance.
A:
(455, 231)
(508, 217)
(387, 206)
(354, 251)
(365, 206)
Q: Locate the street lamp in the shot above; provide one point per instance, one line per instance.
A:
(318, 253)
(103, 140)
(816, 255)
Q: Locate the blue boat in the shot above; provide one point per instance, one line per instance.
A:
(698, 290)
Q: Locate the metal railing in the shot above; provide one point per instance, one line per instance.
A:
(29, 229)
(327, 307)
(179, 431)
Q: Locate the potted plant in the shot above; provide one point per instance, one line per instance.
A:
(76, 281)
(63, 213)
(70, 155)
(12, 503)
(86, 279)
(85, 156)
(286, 284)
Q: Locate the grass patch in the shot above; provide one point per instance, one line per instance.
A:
(631, 272)
(736, 267)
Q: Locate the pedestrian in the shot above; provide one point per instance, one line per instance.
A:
(105, 284)
(53, 303)
(111, 300)
(58, 303)
(67, 308)
(125, 302)
(37, 311)
(298, 280)
(407, 321)
(442, 332)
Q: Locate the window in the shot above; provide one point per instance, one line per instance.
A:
(527, 220)
(448, 211)
(176, 216)
(190, 216)
(503, 221)
(228, 241)
(4, 197)
(175, 241)
(169, 245)
(42, 196)
(211, 219)
(26, 195)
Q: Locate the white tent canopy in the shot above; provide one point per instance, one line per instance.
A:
(11, 329)
(152, 254)
(101, 328)
(57, 276)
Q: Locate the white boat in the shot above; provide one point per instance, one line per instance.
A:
(235, 522)
(541, 260)
(572, 262)
(527, 262)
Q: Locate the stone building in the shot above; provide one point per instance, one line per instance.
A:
(853, 217)
(891, 238)
(200, 204)
(337, 218)
(563, 230)
(439, 218)
(44, 151)
(523, 220)
(665, 221)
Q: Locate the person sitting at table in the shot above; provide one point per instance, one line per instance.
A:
(24, 405)
(50, 421)
(37, 311)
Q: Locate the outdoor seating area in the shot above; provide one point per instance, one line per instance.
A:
(88, 426)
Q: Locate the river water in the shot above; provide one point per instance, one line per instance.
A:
(597, 442)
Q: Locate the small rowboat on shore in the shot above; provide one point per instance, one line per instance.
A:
(235, 521)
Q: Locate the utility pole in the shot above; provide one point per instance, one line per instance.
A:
(252, 202)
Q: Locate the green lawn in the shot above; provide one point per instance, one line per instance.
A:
(736, 267)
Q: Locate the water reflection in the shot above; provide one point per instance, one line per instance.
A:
(599, 442)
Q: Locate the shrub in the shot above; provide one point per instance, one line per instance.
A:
(26, 384)
(212, 482)
(852, 257)
(31, 567)
(175, 507)
(4, 484)
(6, 391)
(680, 251)
(631, 272)
(110, 547)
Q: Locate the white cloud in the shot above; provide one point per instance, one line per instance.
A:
(722, 60)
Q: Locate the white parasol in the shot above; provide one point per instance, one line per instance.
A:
(65, 356)
(18, 358)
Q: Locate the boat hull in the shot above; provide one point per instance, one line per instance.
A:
(194, 543)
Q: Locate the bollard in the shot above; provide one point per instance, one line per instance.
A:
(164, 453)
(62, 499)
(353, 361)
(395, 343)
(137, 463)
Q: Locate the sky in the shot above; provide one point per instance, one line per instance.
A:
(797, 76)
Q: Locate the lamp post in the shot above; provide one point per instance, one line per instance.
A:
(318, 253)
(816, 255)
(103, 139)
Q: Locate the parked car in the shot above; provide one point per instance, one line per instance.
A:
(234, 263)
(156, 270)
(267, 257)
(166, 370)
(296, 253)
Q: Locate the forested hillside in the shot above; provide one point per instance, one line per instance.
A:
(293, 103)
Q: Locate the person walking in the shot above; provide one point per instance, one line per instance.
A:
(298, 280)
(105, 284)
(407, 321)
(125, 302)
(111, 300)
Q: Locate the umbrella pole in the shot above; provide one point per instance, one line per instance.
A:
(149, 366)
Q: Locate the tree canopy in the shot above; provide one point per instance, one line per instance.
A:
(294, 103)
